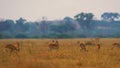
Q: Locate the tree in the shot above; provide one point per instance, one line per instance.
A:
(20, 21)
(20, 25)
(109, 16)
(11, 26)
(70, 26)
(65, 26)
(44, 27)
(5, 25)
(61, 28)
(85, 21)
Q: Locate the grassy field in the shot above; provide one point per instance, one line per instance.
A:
(34, 53)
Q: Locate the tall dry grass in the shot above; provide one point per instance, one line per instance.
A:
(35, 53)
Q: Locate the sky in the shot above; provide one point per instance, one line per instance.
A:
(54, 9)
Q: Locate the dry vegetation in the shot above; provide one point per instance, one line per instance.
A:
(35, 53)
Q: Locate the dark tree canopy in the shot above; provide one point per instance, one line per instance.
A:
(84, 19)
(109, 16)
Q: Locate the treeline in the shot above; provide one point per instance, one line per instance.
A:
(83, 25)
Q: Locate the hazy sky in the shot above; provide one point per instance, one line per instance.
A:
(54, 9)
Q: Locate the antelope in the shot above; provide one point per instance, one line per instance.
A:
(54, 45)
(98, 46)
(82, 46)
(97, 43)
(12, 48)
(115, 45)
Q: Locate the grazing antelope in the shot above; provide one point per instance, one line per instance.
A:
(54, 45)
(82, 46)
(12, 48)
(115, 45)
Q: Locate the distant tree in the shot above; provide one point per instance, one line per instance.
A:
(85, 21)
(6, 25)
(20, 25)
(109, 16)
(20, 21)
(11, 26)
(65, 25)
(26, 26)
(10, 22)
(44, 27)
(70, 26)
(32, 28)
(58, 28)
(68, 19)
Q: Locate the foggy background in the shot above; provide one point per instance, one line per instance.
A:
(34, 10)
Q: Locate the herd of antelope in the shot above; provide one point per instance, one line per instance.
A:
(55, 45)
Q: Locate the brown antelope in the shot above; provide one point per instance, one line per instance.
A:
(12, 48)
(115, 45)
(97, 43)
(98, 46)
(82, 46)
(54, 45)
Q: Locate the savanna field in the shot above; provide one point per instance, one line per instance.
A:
(35, 53)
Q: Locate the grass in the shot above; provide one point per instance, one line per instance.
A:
(35, 53)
